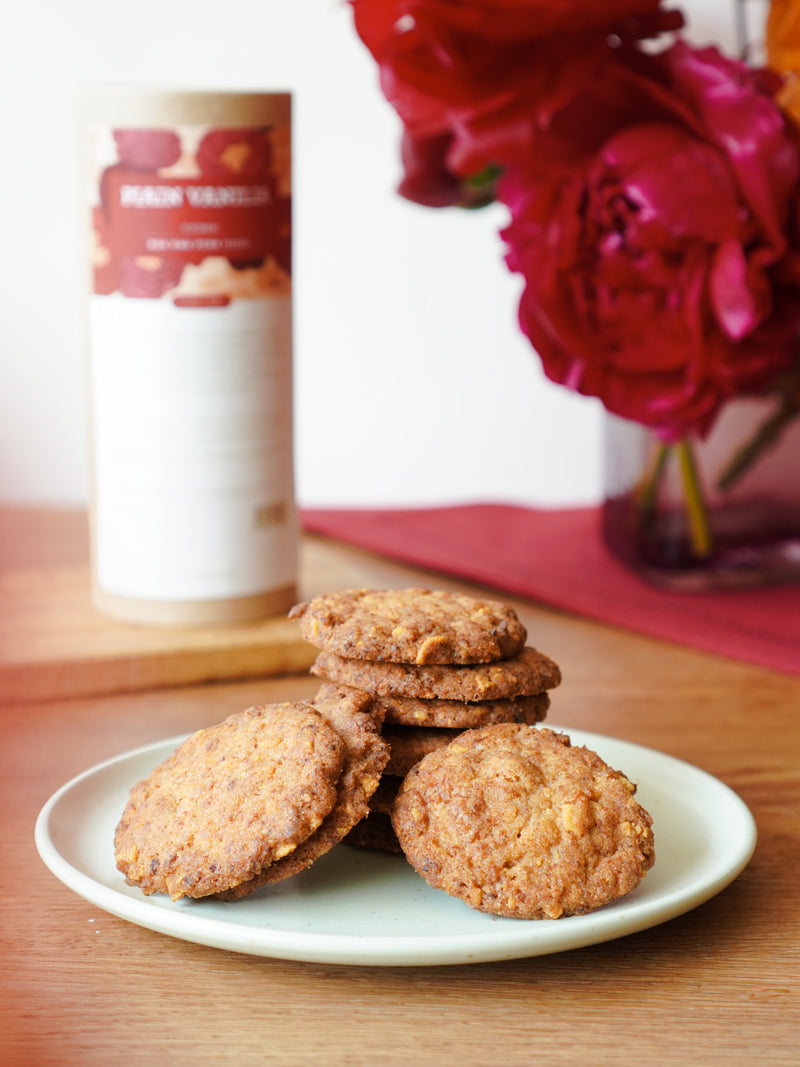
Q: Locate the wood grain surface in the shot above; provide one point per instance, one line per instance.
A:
(719, 985)
(54, 643)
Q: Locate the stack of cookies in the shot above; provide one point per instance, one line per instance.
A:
(419, 741)
(435, 664)
(252, 800)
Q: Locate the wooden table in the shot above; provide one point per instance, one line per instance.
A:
(718, 985)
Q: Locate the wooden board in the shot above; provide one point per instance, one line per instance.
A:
(55, 645)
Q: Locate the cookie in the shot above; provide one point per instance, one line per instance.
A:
(461, 714)
(416, 626)
(383, 797)
(351, 714)
(517, 822)
(526, 674)
(231, 800)
(456, 714)
(374, 834)
(408, 745)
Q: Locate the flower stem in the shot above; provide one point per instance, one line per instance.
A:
(699, 528)
(647, 491)
(765, 436)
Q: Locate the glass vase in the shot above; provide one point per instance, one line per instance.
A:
(676, 516)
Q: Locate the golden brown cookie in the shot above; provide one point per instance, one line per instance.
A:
(351, 713)
(408, 745)
(410, 626)
(374, 834)
(383, 797)
(516, 822)
(461, 714)
(231, 800)
(455, 714)
(526, 674)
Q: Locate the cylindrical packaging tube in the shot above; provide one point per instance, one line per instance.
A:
(188, 207)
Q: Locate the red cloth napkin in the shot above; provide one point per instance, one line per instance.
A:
(558, 557)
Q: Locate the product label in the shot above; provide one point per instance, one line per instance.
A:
(191, 339)
(191, 213)
(189, 219)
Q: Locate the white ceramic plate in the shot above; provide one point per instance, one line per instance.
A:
(358, 907)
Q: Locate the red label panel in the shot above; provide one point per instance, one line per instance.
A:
(163, 205)
(188, 218)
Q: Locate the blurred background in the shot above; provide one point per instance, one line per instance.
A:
(413, 384)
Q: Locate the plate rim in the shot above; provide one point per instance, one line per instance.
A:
(496, 944)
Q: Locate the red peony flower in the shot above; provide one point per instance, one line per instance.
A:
(506, 21)
(651, 227)
(475, 73)
(428, 180)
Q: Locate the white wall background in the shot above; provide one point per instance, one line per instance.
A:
(413, 384)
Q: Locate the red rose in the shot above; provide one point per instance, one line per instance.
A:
(481, 70)
(655, 231)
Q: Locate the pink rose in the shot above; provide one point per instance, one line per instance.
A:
(479, 71)
(655, 229)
